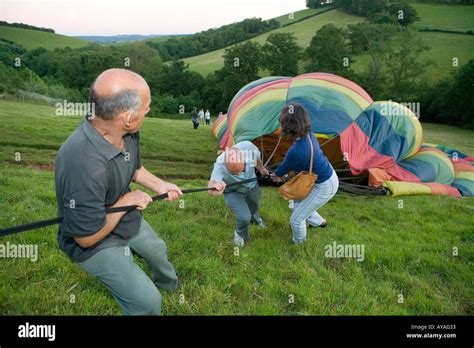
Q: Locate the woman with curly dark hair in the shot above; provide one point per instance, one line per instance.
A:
(295, 125)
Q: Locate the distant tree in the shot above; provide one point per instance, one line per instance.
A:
(375, 76)
(9, 51)
(361, 7)
(78, 68)
(329, 52)
(212, 92)
(450, 100)
(241, 66)
(176, 80)
(362, 34)
(164, 104)
(10, 78)
(383, 17)
(281, 53)
(460, 97)
(317, 3)
(405, 66)
(144, 60)
(403, 13)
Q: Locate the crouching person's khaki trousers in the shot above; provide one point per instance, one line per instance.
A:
(131, 287)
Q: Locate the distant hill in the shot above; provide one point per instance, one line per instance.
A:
(25, 26)
(31, 39)
(124, 38)
(304, 24)
(303, 30)
(444, 46)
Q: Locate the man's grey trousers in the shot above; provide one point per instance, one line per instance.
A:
(131, 287)
(246, 209)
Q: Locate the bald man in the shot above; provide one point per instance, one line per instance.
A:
(94, 168)
(237, 164)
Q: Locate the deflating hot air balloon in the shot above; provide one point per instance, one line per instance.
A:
(219, 127)
(370, 144)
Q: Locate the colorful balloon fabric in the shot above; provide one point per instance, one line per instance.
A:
(381, 139)
(219, 127)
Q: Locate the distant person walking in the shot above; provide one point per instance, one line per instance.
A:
(208, 117)
(295, 125)
(194, 117)
(201, 115)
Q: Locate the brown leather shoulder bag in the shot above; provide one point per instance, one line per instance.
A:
(298, 187)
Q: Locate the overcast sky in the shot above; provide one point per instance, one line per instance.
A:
(114, 17)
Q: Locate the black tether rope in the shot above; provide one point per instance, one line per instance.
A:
(362, 190)
(109, 210)
(343, 186)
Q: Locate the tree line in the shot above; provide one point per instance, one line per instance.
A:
(25, 26)
(212, 39)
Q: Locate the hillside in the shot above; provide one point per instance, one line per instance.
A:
(31, 39)
(290, 18)
(303, 32)
(444, 46)
(283, 20)
(440, 55)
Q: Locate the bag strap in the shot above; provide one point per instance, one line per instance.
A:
(312, 154)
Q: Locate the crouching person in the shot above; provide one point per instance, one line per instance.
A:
(296, 125)
(94, 169)
(234, 165)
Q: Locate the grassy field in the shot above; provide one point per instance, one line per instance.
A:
(436, 16)
(31, 39)
(440, 55)
(408, 251)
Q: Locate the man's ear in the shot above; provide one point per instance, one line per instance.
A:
(128, 119)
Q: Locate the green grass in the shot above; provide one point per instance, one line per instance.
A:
(436, 16)
(407, 251)
(303, 31)
(31, 39)
(441, 134)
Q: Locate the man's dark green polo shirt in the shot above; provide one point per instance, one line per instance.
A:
(91, 174)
